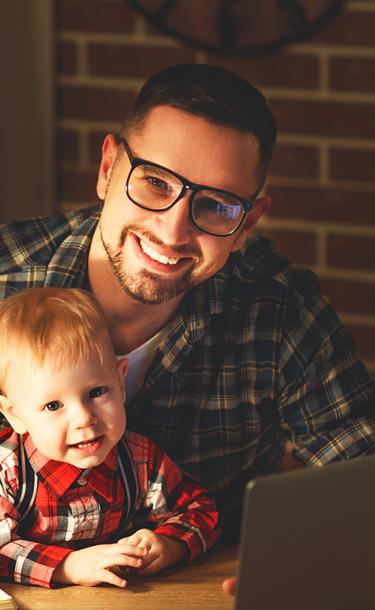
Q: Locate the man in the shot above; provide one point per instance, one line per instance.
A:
(233, 351)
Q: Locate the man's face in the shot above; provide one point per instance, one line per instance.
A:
(158, 256)
(74, 413)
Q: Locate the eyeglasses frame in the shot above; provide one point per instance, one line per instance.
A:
(186, 186)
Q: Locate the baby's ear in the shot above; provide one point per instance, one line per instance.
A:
(11, 414)
(122, 367)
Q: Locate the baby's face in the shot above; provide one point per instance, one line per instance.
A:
(74, 413)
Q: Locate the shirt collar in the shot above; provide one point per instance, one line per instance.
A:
(68, 265)
(58, 477)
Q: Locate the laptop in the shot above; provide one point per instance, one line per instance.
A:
(308, 539)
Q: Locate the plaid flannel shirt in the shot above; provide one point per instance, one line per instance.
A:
(254, 356)
(75, 508)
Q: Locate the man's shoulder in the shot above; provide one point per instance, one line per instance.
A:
(257, 285)
(32, 239)
(261, 268)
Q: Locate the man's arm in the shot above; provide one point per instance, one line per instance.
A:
(326, 399)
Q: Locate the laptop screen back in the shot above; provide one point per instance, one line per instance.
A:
(308, 540)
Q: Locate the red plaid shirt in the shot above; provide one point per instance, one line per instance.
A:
(75, 508)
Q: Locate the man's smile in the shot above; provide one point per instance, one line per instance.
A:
(160, 258)
(156, 256)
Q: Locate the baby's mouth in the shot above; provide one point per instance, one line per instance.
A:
(85, 444)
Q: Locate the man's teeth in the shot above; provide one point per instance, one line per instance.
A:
(156, 256)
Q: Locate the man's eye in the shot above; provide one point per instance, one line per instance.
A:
(54, 405)
(99, 391)
(158, 183)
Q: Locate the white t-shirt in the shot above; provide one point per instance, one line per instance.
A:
(138, 362)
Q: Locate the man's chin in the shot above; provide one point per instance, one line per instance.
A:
(146, 287)
(150, 292)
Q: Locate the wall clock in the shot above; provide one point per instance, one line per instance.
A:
(240, 27)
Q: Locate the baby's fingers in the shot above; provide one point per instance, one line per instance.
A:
(133, 540)
(125, 561)
(129, 549)
(112, 579)
(155, 565)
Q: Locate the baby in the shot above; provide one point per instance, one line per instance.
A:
(81, 500)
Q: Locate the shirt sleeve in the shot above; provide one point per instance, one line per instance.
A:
(23, 561)
(176, 506)
(327, 397)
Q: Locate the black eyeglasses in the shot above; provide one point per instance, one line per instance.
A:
(155, 188)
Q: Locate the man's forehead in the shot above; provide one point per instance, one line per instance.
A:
(201, 151)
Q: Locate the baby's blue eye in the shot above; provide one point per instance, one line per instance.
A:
(54, 405)
(96, 392)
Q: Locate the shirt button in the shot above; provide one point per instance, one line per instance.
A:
(81, 481)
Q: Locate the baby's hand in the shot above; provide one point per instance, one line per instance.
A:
(98, 564)
(162, 551)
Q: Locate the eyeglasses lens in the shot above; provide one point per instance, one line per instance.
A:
(156, 189)
(217, 212)
(153, 188)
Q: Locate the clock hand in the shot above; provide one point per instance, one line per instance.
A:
(164, 9)
(227, 26)
(294, 13)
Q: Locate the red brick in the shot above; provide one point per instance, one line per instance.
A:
(290, 160)
(66, 145)
(299, 246)
(318, 204)
(112, 16)
(134, 61)
(325, 118)
(352, 164)
(349, 296)
(66, 58)
(93, 103)
(348, 28)
(352, 74)
(280, 70)
(351, 252)
(77, 185)
(364, 336)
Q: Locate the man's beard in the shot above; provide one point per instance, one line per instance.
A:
(145, 287)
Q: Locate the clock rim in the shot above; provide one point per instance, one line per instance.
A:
(255, 50)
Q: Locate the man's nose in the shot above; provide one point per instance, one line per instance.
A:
(174, 225)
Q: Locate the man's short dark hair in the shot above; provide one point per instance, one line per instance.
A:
(214, 93)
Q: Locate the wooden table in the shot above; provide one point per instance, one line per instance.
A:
(193, 587)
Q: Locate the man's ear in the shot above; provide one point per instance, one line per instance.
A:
(11, 414)
(122, 367)
(260, 207)
(109, 152)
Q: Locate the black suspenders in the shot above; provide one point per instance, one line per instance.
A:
(129, 482)
(28, 483)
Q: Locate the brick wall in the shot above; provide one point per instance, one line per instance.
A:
(323, 95)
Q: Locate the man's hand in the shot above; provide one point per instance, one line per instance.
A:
(95, 565)
(162, 551)
(229, 586)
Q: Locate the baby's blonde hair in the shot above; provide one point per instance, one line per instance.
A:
(58, 325)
